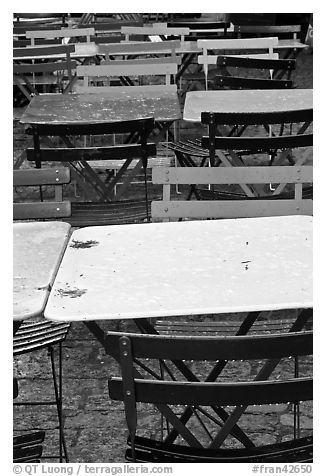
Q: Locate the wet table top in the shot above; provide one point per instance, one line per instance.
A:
(38, 249)
(256, 100)
(184, 268)
(128, 104)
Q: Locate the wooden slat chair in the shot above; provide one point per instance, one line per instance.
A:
(155, 30)
(142, 48)
(289, 36)
(202, 29)
(206, 396)
(253, 73)
(36, 334)
(232, 206)
(73, 35)
(28, 448)
(53, 209)
(51, 66)
(276, 138)
(108, 208)
(158, 73)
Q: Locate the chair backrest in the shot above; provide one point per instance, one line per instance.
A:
(234, 205)
(29, 62)
(235, 45)
(58, 208)
(63, 33)
(135, 387)
(246, 78)
(141, 48)
(124, 70)
(156, 29)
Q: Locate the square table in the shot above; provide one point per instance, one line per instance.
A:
(38, 250)
(183, 268)
(91, 113)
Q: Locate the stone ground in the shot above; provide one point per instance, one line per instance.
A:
(95, 428)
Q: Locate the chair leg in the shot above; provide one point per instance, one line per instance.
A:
(58, 397)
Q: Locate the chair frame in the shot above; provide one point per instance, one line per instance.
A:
(180, 349)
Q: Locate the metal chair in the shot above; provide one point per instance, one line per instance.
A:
(207, 401)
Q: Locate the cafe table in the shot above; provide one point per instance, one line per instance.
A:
(246, 101)
(38, 249)
(185, 268)
(90, 113)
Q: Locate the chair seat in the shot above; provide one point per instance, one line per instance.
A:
(34, 335)
(167, 326)
(28, 448)
(148, 450)
(108, 213)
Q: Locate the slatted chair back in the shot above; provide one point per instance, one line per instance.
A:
(253, 73)
(235, 45)
(143, 48)
(73, 34)
(124, 70)
(224, 205)
(155, 30)
(37, 67)
(234, 152)
(58, 208)
(106, 210)
(138, 385)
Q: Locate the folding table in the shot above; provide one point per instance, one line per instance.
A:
(61, 115)
(185, 268)
(38, 250)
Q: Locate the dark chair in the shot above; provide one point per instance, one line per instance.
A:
(106, 206)
(253, 73)
(34, 335)
(43, 68)
(207, 402)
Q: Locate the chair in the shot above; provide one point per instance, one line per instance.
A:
(107, 207)
(289, 36)
(36, 334)
(257, 46)
(156, 50)
(100, 74)
(63, 34)
(43, 68)
(220, 204)
(49, 209)
(28, 448)
(148, 364)
(268, 73)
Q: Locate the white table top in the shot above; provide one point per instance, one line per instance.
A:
(253, 100)
(38, 249)
(184, 268)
